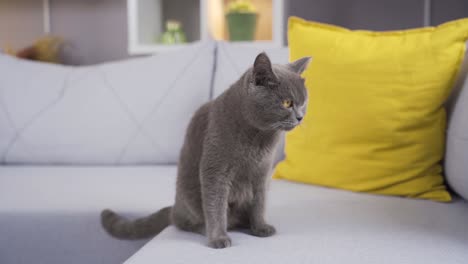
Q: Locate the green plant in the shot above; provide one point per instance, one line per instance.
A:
(174, 33)
(241, 6)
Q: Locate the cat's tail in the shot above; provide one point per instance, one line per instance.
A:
(141, 228)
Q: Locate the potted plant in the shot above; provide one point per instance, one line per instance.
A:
(241, 17)
(173, 34)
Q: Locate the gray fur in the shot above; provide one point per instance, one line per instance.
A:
(227, 157)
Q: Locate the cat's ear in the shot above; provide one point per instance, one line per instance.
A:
(299, 65)
(262, 70)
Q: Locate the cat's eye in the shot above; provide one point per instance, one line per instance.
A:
(287, 103)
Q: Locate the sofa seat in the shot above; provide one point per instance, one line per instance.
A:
(51, 215)
(326, 226)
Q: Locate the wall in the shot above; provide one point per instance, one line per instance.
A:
(445, 10)
(375, 14)
(361, 14)
(20, 22)
(97, 29)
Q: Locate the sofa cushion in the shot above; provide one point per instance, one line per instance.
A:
(375, 120)
(320, 225)
(128, 112)
(456, 156)
(51, 214)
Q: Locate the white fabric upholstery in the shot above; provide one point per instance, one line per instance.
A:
(456, 160)
(50, 215)
(326, 226)
(456, 154)
(129, 112)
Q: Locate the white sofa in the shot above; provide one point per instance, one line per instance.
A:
(76, 140)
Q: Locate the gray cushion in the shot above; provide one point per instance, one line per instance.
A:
(129, 112)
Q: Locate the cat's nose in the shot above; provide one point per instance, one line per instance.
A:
(299, 118)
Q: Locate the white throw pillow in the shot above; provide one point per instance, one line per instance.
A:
(129, 112)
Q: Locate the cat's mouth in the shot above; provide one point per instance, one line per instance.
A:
(283, 126)
(288, 126)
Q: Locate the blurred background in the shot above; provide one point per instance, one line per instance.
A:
(83, 32)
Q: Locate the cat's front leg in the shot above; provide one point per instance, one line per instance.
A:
(215, 192)
(258, 225)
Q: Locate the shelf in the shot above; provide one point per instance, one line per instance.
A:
(218, 24)
(146, 22)
(142, 49)
(200, 19)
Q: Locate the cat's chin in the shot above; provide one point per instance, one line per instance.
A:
(287, 128)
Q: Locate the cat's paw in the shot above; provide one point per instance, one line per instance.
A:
(220, 242)
(264, 230)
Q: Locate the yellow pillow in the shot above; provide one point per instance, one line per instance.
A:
(376, 120)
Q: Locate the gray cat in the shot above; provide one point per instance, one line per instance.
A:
(227, 157)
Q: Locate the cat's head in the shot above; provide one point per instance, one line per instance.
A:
(277, 97)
